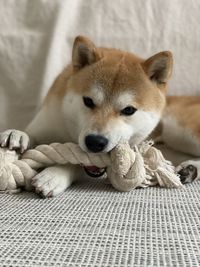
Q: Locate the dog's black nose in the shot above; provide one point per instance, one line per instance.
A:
(96, 143)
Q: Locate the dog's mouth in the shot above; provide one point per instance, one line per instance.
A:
(94, 171)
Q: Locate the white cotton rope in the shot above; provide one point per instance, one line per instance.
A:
(127, 168)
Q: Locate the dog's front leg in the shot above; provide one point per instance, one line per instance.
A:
(14, 139)
(56, 179)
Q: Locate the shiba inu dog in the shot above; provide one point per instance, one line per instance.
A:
(104, 97)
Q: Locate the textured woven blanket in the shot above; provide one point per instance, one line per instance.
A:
(91, 224)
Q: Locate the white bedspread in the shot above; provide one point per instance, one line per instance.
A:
(36, 39)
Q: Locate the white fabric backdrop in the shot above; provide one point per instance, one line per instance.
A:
(36, 38)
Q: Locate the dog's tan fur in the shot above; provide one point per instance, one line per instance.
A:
(114, 79)
(125, 71)
(186, 110)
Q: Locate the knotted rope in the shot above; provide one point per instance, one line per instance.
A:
(127, 168)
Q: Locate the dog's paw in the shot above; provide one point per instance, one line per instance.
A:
(14, 139)
(189, 171)
(51, 181)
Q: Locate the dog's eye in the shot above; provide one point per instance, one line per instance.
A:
(88, 102)
(128, 111)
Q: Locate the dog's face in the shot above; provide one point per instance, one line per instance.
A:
(114, 96)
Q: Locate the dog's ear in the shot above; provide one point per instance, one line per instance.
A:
(159, 67)
(84, 52)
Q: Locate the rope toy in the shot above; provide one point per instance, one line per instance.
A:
(127, 168)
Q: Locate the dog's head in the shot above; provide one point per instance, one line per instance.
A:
(114, 96)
